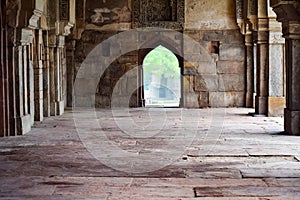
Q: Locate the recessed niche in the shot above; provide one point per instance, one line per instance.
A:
(214, 47)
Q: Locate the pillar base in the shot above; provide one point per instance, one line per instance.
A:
(261, 105)
(24, 124)
(292, 122)
(276, 106)
(249, 100)
(57, 108)
(60, 107)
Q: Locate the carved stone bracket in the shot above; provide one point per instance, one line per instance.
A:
(252, 14)
(66, 19)
(34, 21)
(240, 18)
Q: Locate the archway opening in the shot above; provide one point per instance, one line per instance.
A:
(161, 78)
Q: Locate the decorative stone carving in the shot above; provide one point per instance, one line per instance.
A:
(165, 14)
(103, 15)
(64, 10)
(252, 14)
(240, 15)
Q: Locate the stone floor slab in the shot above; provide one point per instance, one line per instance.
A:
(248, 159)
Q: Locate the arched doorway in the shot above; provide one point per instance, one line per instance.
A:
(161, 78)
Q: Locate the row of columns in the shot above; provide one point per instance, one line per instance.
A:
(32, 73)
(275, 58)
(264, 57)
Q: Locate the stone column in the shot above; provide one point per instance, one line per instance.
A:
(288, 12)
(261, 99)
(4, 128)
(52, 62)
(21, 62)
(46, 75)
(249, 68)
(276, 99)
(60, 75)
(11, 55)
(56, 52)
(70, 46)
(38, 76)
(251, 28)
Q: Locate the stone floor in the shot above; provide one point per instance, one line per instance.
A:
(152, 154)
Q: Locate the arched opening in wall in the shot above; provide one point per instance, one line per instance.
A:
(161, 78)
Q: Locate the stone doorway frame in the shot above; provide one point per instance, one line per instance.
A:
(143, 52)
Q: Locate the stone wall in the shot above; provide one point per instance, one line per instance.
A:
(218, 79)
(113, 80)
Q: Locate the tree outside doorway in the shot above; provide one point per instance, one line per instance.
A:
(162, 85)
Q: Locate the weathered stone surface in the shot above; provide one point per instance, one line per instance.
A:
(225, 99)
(276, 106)
(188, 83)
(191, 100)
(216, 35)
(46, 164)
(230, 67)
(203, 99)
(231, 83)
(206, 83)
(207, 67)
(232, 37)
(221, 18)
(232, 52)
(276, 70)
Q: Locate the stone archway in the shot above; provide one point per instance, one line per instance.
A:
(174, 48)
(161, 78)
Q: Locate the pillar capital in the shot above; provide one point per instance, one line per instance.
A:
(288, 12)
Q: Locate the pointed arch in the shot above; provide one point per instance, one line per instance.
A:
(161, 80)
(148, 46)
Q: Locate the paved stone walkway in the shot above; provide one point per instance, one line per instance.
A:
(152, 154)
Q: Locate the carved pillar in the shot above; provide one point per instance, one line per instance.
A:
(70, 45)
(261, 99)
(4, 124)
(46, 75)
(52, 69)
(60, 75)
(276, 100)
(38, 76)
(249, 68)
(11, 80)
(57, 74)
(23, 78)
(288, 12)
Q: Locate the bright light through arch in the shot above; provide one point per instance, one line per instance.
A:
(161, 77)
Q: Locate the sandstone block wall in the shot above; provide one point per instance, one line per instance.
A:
(219, 77)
